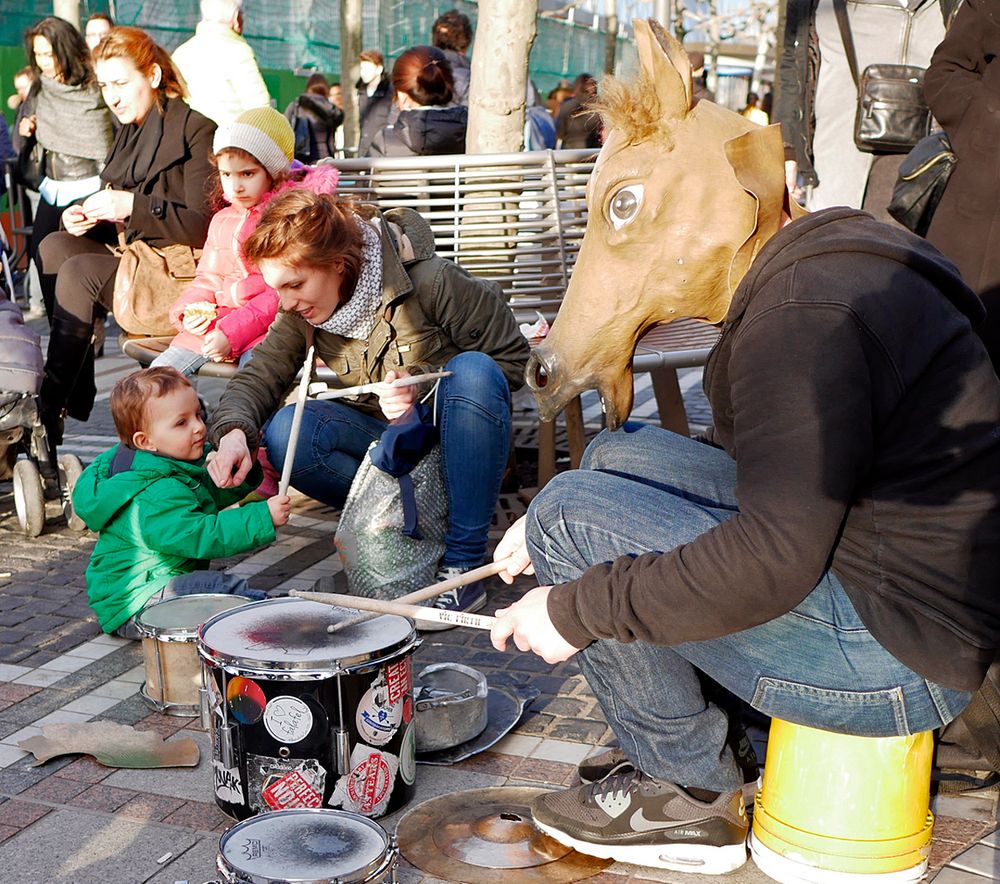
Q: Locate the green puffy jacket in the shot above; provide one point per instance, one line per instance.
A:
(157, 518)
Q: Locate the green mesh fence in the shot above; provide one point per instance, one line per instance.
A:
(289, 35)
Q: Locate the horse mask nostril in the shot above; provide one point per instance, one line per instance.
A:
(541, 376)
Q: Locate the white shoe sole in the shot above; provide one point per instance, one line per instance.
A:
(790, 871)
(700, 858)
(435, 626)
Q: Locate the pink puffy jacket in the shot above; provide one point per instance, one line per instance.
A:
(245, 304)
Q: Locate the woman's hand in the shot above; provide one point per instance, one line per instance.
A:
(76, 221)
(26, 128)
(513, 546)
(232, 460)
(527, 622)
(395, 400)
(216, 346)
(109, 205)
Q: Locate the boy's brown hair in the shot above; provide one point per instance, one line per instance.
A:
(132, 393)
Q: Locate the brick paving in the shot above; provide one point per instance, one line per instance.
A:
(72, 819)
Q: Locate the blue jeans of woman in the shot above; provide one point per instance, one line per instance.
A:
(473, 413)
(643, 490)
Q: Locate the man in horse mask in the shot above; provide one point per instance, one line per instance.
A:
(828, 552)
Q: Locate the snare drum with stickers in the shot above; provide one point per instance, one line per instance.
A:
(301, 718)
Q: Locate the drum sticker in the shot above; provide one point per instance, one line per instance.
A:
(282, 783)
(228, 786)
(408, 756)
(366, 789)
(381, 709)
(246, 699)
(288, 719)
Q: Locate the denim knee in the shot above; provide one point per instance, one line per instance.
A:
(478, 379)
(612, 450)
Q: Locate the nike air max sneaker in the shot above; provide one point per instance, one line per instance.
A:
(633, 818)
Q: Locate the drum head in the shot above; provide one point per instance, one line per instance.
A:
(181, 616)
(289, 635)
(305, 845)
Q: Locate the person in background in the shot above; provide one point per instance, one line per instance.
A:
(575, 126)
(218, 66)
(699, 90)
(22, 86)
(70, 121)
(557, 96)
(154, 190)
(375, 98)
(818, 99)
(753, 111)
(314, 120)
(96, 29)
(337, 100)
(962, 87)
(428, 124)
(24, 103)
(452, 34)
(539, 128)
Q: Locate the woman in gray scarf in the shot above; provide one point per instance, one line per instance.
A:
(71, 123)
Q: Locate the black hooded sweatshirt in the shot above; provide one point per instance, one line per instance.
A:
(864, 418)
(428, 131)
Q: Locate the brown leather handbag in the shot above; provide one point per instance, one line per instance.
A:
(147, 284)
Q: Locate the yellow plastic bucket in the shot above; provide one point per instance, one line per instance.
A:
(832, 803)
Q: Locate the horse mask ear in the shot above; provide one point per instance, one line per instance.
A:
(663, 59)
(757, 158)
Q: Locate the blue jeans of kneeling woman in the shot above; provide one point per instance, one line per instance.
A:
(817, 665)
(473, 414)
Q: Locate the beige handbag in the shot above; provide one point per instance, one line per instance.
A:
(148, 283)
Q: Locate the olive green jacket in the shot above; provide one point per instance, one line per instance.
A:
(431, 310)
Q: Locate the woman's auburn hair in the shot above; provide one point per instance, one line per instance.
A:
(300, 228)
(139, 48)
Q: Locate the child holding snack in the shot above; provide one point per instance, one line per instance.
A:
(159, 516)
(228, 307)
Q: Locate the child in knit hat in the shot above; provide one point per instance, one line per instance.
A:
(228, 307)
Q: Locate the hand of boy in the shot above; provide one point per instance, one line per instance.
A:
(281, 507)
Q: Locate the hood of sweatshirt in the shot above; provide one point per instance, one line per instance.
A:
(434, 131)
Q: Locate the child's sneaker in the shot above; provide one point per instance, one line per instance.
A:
(466, 599)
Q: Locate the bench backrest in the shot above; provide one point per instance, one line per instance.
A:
(517, 219)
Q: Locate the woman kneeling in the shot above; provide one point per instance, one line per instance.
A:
(379, 304)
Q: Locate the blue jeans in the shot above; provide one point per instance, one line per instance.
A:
(188, 362)
(817, 665)
(473, 413)
(217, 582)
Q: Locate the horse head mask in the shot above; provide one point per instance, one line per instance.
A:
(680, 201)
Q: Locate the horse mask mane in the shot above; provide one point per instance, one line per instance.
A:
(681, 199)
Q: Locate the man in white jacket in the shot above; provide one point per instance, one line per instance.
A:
(219, 66)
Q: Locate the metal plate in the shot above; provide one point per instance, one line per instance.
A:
(180, 617)
(486, 835)
(289, 636)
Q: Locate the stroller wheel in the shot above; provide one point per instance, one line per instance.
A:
(69, 471)
(29, 498)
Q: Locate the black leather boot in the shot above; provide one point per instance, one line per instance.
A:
(69, 348)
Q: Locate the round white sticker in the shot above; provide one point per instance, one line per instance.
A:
(378, 718)
(408, 756)
(288, 719)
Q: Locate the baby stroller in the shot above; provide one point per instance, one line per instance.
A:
(21, 430)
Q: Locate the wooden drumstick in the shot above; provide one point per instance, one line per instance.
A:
(429, 592)
(379, 606)
(293, 435)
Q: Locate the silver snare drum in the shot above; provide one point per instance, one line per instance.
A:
(307, 847)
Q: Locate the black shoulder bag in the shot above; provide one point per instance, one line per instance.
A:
(892, 114)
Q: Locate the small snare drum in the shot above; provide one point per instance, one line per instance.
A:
(301, 718)
(307, 847)
(169, 631)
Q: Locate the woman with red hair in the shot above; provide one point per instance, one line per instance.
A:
(153, 190)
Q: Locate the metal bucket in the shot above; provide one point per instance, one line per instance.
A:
(450, 702)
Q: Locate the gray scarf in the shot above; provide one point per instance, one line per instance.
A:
(356, 318)
(73, 120)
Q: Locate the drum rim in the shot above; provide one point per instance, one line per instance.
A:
(359, 876)
(292, 669)
(183, 633)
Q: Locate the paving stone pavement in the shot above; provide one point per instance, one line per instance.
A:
(74, 820)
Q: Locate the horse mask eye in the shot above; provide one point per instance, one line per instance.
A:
(625, 204)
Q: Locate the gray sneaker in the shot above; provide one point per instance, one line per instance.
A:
(633, 818)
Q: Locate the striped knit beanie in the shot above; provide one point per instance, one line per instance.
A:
(264, 134)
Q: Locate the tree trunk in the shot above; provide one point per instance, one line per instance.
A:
(350, 49)
(499, 81)
(69, 10)
(610, 35)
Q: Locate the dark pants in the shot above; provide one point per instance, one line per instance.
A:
(78, 276)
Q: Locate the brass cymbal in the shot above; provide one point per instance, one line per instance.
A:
(486, 836)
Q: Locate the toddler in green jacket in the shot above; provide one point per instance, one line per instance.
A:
(160, 517)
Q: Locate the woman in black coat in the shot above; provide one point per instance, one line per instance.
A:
(154, 190)
(962, 87)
